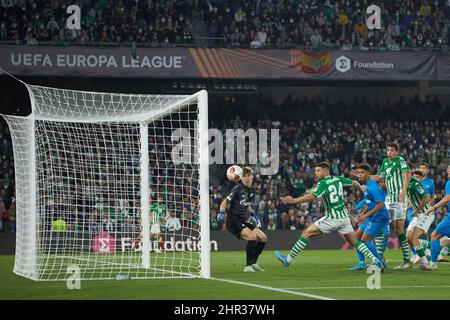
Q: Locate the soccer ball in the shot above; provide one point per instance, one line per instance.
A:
(234, 173)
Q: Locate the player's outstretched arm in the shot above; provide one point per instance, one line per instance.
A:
(377, 208)
(223, 205)
(406, 179)
(357, 185)
(376, 178)
(306, 198)
(362, 217)
(441, 203)
(422, 204)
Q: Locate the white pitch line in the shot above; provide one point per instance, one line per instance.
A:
(313, 296)
(362, 287)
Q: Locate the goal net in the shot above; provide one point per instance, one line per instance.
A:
(111, 186)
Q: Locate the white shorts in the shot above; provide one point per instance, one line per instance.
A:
(443, 239)
(155, 229)
(422, 221)
(397, 210)
(326, 225)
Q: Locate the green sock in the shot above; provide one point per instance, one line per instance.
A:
(404, 246)
(445, 250)
(364, 250)
(379, 241)
(425, 244)
(420, 251)
(298, 247)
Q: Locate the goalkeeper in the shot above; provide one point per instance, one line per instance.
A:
(242, 221)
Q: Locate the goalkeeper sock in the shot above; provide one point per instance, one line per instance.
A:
(435, 249)
(298, 247)
(259, 247)
(251, 252)
(404, 245)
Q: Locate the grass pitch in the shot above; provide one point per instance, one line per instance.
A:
(315, 274)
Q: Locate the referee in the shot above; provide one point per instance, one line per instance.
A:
(242, 221)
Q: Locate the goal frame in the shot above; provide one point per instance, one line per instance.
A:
(27, 231)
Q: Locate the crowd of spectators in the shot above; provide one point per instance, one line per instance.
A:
(238, 23)
(147, 23)
(95, 185)
(306, 140)
(330, 23)
(310, 129)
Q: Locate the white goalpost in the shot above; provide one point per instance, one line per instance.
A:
(96, 180)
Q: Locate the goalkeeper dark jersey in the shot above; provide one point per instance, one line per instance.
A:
(240, 198)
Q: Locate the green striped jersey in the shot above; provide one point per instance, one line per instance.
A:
(416, 192)
(392, 172)
(158, 211)
(330, 189)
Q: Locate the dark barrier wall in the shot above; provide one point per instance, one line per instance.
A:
(224, 63)
(220, 241)
(7, 243)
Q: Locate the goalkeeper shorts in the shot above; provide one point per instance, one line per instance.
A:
(235, 225)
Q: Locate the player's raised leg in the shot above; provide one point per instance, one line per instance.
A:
(361, 259)
(361, 246)
(299, 246)
(414, 240)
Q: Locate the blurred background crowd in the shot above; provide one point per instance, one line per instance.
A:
(310, 24)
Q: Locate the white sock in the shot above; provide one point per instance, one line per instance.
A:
(289, 258)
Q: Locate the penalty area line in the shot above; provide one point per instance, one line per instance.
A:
(254, 285)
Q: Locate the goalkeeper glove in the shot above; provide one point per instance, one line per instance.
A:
(256, 219)
(220, 216)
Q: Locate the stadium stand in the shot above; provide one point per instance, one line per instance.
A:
(257, 24)
(305, 141)
(152, 23)
(314, 24)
